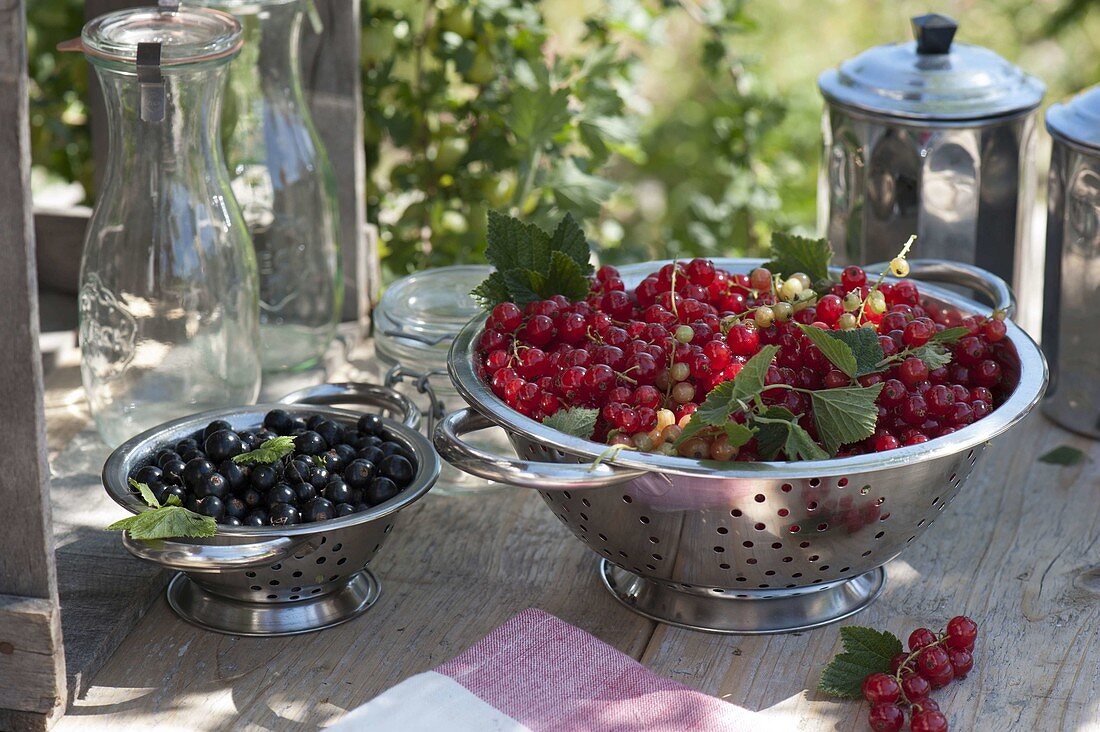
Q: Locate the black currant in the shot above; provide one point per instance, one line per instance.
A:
(313, 421)
(329, 432)
(252, 497)
(173, 471)
(309, 443)
(187, 444)
(398, 469)
(258, 517)
(297, 471)
(318, 477)
(165, 456)
(281, 493)
(216, 426)
(234, 474)
(371, 454)
(212, 484)
(194, 471)
(319, 509)
(263, 478)
(333, 462)
(337, 491)
(283, 514)
(345, 452)
(212, 506)
(249, 439)
(232, 521)
(235, 507)
(358, 473)
(174, 490)
(192, 455)
(222, 445)
(264, 435)
(344, 509)
(148, 474)
(380, 490)
(370, 424)
(305, 492)
(278, 421)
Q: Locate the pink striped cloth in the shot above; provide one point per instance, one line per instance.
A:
(537, 673)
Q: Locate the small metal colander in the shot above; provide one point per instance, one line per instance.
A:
(277, 580)
(743, 547)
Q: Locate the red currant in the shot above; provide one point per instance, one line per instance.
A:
(881, 688)
(921, 638)
(886, 718)
(853, 277)
(928, 720)
(912, 371)
(914, 686)
(961, 662)
(961, 632)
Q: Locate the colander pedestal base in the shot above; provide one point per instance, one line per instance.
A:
(747, 612)
(221, 614)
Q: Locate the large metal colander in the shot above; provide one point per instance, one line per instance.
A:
(277, 580)
(743, 547)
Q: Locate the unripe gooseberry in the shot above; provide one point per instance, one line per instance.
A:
(899, 267)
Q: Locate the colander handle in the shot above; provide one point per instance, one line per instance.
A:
(354, 392)
(963, 275)
(217, 557)
(543, 476)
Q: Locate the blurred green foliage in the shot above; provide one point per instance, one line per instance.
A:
(671, 128)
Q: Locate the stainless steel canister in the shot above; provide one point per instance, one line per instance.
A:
(1070, 338)
(932, 138)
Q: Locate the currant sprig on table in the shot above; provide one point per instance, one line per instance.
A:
(781, 363)
(894, 681)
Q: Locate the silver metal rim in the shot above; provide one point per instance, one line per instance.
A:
(782, 611)
(1029, 390)
(209, 611)
(117, 468)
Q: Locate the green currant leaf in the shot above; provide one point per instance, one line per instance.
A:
(514, 244)
(950, 335)
(725, 399)
(167, 522)
(781, 432)
(792, 254)
(575, 421)
(933, 355)
(738, 434)
(838, 352)
(524, 285)
(866, 651)
(845, 415)
(565, 277)
(270, 451)
(146, 493)
(491, 292)
(569, 239)
(864, 344)
(1063, 455)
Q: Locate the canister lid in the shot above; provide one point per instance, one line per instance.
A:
(932, 78)
(186, 35)
(419, 315)
(1078, 120)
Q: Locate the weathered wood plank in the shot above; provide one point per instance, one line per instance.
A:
(31, 663)
(30, 643)
(59, 235)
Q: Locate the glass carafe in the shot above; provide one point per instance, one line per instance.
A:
(168, 299)
(284, 183)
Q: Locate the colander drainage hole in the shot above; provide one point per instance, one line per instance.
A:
(842, 482)
(865, 490)
(249, 574)
(844, 569)
(567, 494)
(759, 498)
(650, 567)
(658, 557)
(719, 549)
(603, 537)
(388, 528)
(584, 516)
(644, 519)
(296, 573)
(341, 560)
(777, 545)
(796, 575)
(788, 559)
(759, 526)
(272, 597)
(337, 548)
(822, 526)
(815, 482)
(586, 503)
(823, 567)
(623, 555)
(783, 512)
(255, 588)
(722, 530)
(377, 547)
(276, 567)
(883, 517)
(866, 553)
(736, 513)
(654, 540)
(750, 560)
(324, 539)
(333, 578)
(742, 579)
(794, 529)
(274, 583)
(812, 506)
(321, 560)
(803, 545)
(786, 487)
(295, 589)
(315, 591)
(880, 534)
(295, 597)
(814, 557)
(723, 565)
(628, 499)
(747, 544)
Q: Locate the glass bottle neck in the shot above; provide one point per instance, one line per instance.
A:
(187, 134)
(269, 61)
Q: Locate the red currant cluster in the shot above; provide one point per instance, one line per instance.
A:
(932, 662)
(646, 358)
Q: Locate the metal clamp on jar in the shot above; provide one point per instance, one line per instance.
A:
(932, 138)
(1072, 282)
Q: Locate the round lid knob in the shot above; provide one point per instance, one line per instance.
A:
(1077, 120)
(932, 78)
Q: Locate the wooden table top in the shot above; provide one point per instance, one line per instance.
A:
(1018, 551)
